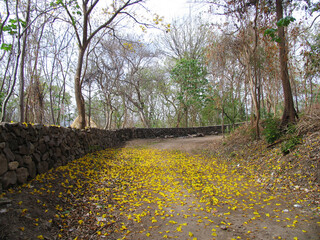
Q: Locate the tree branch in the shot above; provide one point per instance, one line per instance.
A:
(127, 4)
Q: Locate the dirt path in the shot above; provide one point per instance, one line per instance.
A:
(190, 145)
(148, 190)
(239, 208)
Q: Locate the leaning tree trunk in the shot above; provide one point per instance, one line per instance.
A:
(289, 112)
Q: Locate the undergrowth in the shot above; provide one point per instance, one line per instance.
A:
(290, 154)
(271, 129)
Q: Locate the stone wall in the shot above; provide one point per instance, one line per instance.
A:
(174, 132)
(28, 150)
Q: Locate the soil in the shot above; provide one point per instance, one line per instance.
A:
(187, 144)
(263, 228)
(268, 211)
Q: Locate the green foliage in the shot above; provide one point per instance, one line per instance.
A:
(293, 139)
(12, 29)
(271, 130)
(290, 144)
(291, 129)
(190, 75)
(284, 22)
(6, 47)
(315, 7)
(74, 7)
(272, 33)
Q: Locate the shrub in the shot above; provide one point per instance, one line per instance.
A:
(271, 130)
(289, 145)
(292, 141)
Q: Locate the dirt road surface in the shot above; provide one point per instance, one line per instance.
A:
(155, 189)
(187, 144)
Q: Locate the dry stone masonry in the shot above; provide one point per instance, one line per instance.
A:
(27, 150)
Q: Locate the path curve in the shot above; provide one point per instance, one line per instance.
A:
(187, 144)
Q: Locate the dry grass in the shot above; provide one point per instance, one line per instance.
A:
(310, 123)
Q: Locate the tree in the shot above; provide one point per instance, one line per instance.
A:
(136, 85)
(289, 113)
(85, 34)
(311, 55)
(243, 32)
(185, 45)
(22, 62)
(186, 39)
(109, 66)
(190, 75)
(27, 14)
(14, 29)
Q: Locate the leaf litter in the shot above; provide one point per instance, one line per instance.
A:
(147, 193)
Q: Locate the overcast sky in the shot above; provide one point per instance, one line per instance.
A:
(170, 9)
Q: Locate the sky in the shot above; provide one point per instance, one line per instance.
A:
(170, 9)
(174, 9)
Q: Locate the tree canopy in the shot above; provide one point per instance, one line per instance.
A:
(63, 59)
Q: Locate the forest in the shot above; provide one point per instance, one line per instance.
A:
(116, 64)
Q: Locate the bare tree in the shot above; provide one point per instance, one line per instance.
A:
(22, 62)
(136, 86)
(186, 38)
(85, 34)
(16, 64)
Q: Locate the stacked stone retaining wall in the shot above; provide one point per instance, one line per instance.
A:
(28, 150)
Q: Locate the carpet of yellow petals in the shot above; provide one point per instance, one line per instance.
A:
(144, 193)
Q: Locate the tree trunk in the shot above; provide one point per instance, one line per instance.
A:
(21, 76)
(14, 74)
(289, 112)
(77, 90)
(125, 112)
(186, 116)
(253, 87)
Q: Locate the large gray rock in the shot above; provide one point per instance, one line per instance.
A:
(10, 156)
(3, 164)
(14, 142)
(45, 156)
(31, 147)
(13, 165)
(31, 166)
(36, 157)
(23, 150)
(19, 159)
(27, 149)
(52, 143)
(22, 175)
(58, 152)
(42, 167)
(42, 147)
(27, 160)
(46, 138)
(32, 170)
(9, 179)
(16, 130)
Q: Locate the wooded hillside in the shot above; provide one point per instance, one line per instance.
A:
(67, 58)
